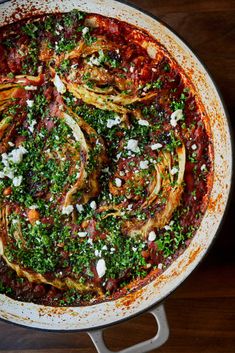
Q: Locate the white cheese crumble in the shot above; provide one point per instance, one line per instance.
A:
(93, 61)
(79, 208)
(90, 241)
(152, 236)
(17, 180)
(82, 234)
(31, 125)
(203, 167)
(159, 266)
(29, 103)
(144, 164)
(85, 30)
(59, 84)
(104, 247)
(143, 122)
(118, 182)
(167, 227)
(33, 207)
(97, 253)
(129, 207)
(31, 88)
(156, 146)
(93, 205)
(113, 122)
(132, 145)
(67, 210)
(11, 144)
(101, 268)
(174, 170)
(176, 116)
(194, 147)
(16, 155)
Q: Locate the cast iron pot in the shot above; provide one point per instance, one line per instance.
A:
(149, 298)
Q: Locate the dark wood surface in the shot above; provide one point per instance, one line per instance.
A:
(201, 312)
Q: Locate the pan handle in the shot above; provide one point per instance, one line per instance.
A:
(158, 340)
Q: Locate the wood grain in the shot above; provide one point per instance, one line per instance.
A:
(201, 312)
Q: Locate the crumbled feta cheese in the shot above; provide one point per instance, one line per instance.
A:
(167, 227)
(101, 268)
(60, 28)
(85, 30)
(97, 253)
(9, 173)
(122, 173)
(29, 103)
(113, 122)
(176, 116)
(105, 247)
(59, 84)
(38, 222)
(105, 170)
(144, 164)
(82, 234)
(203, 167)
(194, 147)
(93, 61)
(33, 207)
(159, 266)
(31, 125)
(112, 250)
(174, 171)
(143, 122)
(119, 155)
(152, 236)
(118, 182)
(79, 208)
(132, 69)
(129, 207)
(17, 180)
(90, 241)
(156, 146)
(134, 248)
(31, 88)
(16, 155)
(93, 205)
(67, 210)
(132, 145)
(11, 144)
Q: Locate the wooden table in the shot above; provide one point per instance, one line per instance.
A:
(201, 312)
